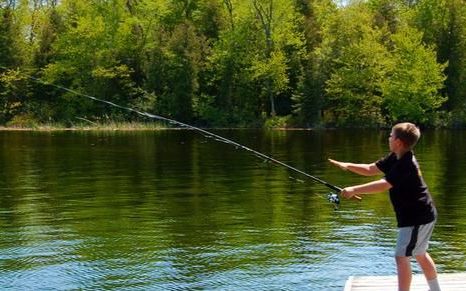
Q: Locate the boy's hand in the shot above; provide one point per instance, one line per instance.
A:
(343, 166)
(349, 192)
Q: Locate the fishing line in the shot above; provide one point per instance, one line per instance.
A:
(331, 197)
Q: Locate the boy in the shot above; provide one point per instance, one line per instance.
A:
(411, 200)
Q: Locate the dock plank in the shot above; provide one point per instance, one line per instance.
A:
(448, 282)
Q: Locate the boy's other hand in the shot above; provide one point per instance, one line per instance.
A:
(342, 165)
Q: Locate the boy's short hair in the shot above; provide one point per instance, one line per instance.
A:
(408, 133)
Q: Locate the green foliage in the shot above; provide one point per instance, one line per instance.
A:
(26, 120)
(444, 26)
(13, 94)
(411, 89)
(278, 122)
(10, 46)
(236, 63)
(308, 97)
(359, 66)
(379, 72)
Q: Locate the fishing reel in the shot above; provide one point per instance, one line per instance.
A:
(333, 198)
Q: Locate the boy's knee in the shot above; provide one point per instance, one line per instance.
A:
(422, 257)
(402, 260)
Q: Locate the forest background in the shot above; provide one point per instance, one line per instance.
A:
(235, 63)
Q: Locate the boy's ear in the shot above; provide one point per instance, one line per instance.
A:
(402, 143)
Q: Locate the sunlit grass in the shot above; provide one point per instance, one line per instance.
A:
(108, 125)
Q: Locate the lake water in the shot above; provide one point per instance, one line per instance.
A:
(173, 210)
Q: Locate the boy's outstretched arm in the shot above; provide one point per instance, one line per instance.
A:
(361, 169)
(368, 188)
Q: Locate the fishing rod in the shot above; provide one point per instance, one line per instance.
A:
(331, 197)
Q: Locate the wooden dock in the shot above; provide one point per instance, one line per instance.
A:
(448, 282)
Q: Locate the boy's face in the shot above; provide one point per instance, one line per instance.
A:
(394, 143)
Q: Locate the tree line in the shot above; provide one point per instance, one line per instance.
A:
(235, 62)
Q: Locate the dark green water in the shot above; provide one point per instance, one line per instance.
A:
(172, 210)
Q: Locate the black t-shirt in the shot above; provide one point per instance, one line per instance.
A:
(409, 193)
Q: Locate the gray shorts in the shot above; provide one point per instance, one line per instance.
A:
(413, 240)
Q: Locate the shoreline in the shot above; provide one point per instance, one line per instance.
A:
(129, 126)
(157, 127)
(104, 128)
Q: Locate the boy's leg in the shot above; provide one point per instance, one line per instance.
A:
(427, 266)
(430, 271)
(403, 254)
(423, 258)
(403, 267)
